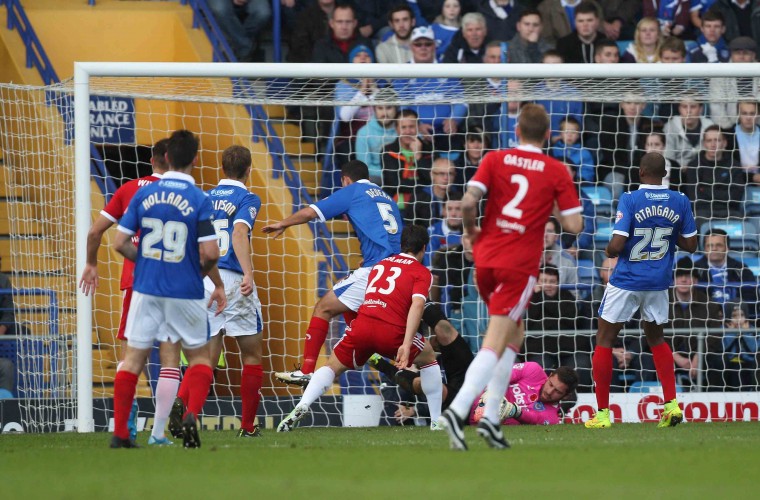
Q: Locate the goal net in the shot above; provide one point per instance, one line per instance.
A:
(423, 138)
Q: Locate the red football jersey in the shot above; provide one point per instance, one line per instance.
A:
(114, 211)
(522, 185)
(390, 287)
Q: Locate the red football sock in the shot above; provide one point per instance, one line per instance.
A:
(183, 393)
(199, 379)
(666, 372)
(602, 370)
(250, 387)
(315, 337)
(349, 316)
(123, 393)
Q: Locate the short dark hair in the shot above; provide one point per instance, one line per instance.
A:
(567, 376)
(408, 113)
(716, 231)
(355, 170)
(606, 42)
(533, 123)
(158, 152)
(454, 195)
(550, 270)
(402, 7)
(588, 7)
(235, 161)
(685, 266)
(530, 12)
(570, 119)
(673, 44)
(713, 15)
(552, 53)
(182, 149)
(712, 128)
(414, 238)
(652, 164)
(555, 224)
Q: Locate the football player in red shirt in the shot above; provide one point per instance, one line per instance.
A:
(524, 187)
(386, 324)
(169, 376)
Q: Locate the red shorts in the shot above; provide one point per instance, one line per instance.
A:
(506, 292)
(367, 336)
(127, 299)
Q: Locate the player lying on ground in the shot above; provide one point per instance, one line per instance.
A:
(376, 219)
(649, 223)
(168, 378)
(177, 248)
(387, 323)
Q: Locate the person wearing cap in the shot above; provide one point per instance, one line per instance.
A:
(468, 46)
(726, 92)
(396, 48)
(443, 116)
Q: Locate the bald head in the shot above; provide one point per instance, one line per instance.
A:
(652, 168)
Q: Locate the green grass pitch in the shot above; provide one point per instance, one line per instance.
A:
(715, 460)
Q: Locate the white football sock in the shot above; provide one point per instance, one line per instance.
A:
(478, 375)
(498, 384)
(432, 386)
(320, 381)
(166, 392)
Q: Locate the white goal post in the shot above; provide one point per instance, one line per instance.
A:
(596, 79)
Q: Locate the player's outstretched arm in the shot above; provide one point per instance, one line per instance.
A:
(412, 323)
(615, 246)
(89, 281)
(470, 202)
(123, 244)
(688, 244)
(241, 245)
(301, 217)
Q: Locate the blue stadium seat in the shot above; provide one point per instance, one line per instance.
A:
(753, 263)
(743, 234)
(603, 232)
(623, 46)
(587, 272)
(752, 201)
(600, 197)
(649, 387)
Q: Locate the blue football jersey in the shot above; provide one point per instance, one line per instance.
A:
(651, 218)
(374, 215)
(232, 204)
(172, 215)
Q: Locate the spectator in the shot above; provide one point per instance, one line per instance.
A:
(580, 45)
(342, 38)
(569, 151)
(452, 269)
(744, 140)
(697, 9)
(739, 17)
(722, 273)
(607, 52)
(446, 26)
(672, 51)
(646, 43)
(447, 232)
(443, 118)
(655, 143)
(311, 25)
(396, 48)
(733, 363)
(552, 309)
(241, 35)
(487, 115)
(554, 255)
(501, 17)
(672, 16)
(620, 18)
(714, 179)
(426, 206)
(407, 161)
(379, 131)
(372, 16)
(475, 146)
(711, 47)
(558, 109)
(469, 45)
(527, 46)
(558, 18)
(506, 127)
(685, 131)
(725, 92)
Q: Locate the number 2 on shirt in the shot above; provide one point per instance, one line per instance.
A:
(510, 209)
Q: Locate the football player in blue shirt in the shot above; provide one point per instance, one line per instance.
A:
(650, 222)
(177, 248)
(377, 222)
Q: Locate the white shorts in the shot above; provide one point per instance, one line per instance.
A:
(163, 319)
(619, 306)
(242, 316)
(351, 289)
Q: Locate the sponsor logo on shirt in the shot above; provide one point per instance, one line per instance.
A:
(618, 216)
(223, 192)
(174, 184)
(538, 406)
(375, 302)
(252, 211)
(657, 196)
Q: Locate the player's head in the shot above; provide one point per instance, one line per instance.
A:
(533, 125)
(182, 150)
(652, 168)
(562, 382)
(158, 156)
(353, 171)
(236, 162)
(716, 246)
(414, 240)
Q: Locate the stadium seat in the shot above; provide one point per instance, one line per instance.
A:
(752, 201)
(649, 387)
(753, 263)
(743, 234)
(603, 232)
(623, 46)
(600, 197)
(587, 272)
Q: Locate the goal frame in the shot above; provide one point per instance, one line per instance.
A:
(84, 71)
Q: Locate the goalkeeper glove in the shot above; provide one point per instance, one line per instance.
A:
(510, 410)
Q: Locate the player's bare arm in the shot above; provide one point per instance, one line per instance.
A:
(301, 217)
(209, 252)
(123, 244)
(241, 245)
(412, 323)
(615, 246)
(218, 295)
(571, 223)
(470, 202)
(89, 281)
(688, 244)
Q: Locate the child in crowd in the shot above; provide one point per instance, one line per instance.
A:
(446, 26)
(568, 150)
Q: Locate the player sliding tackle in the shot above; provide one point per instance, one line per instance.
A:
(387, 324)
(649, 224)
